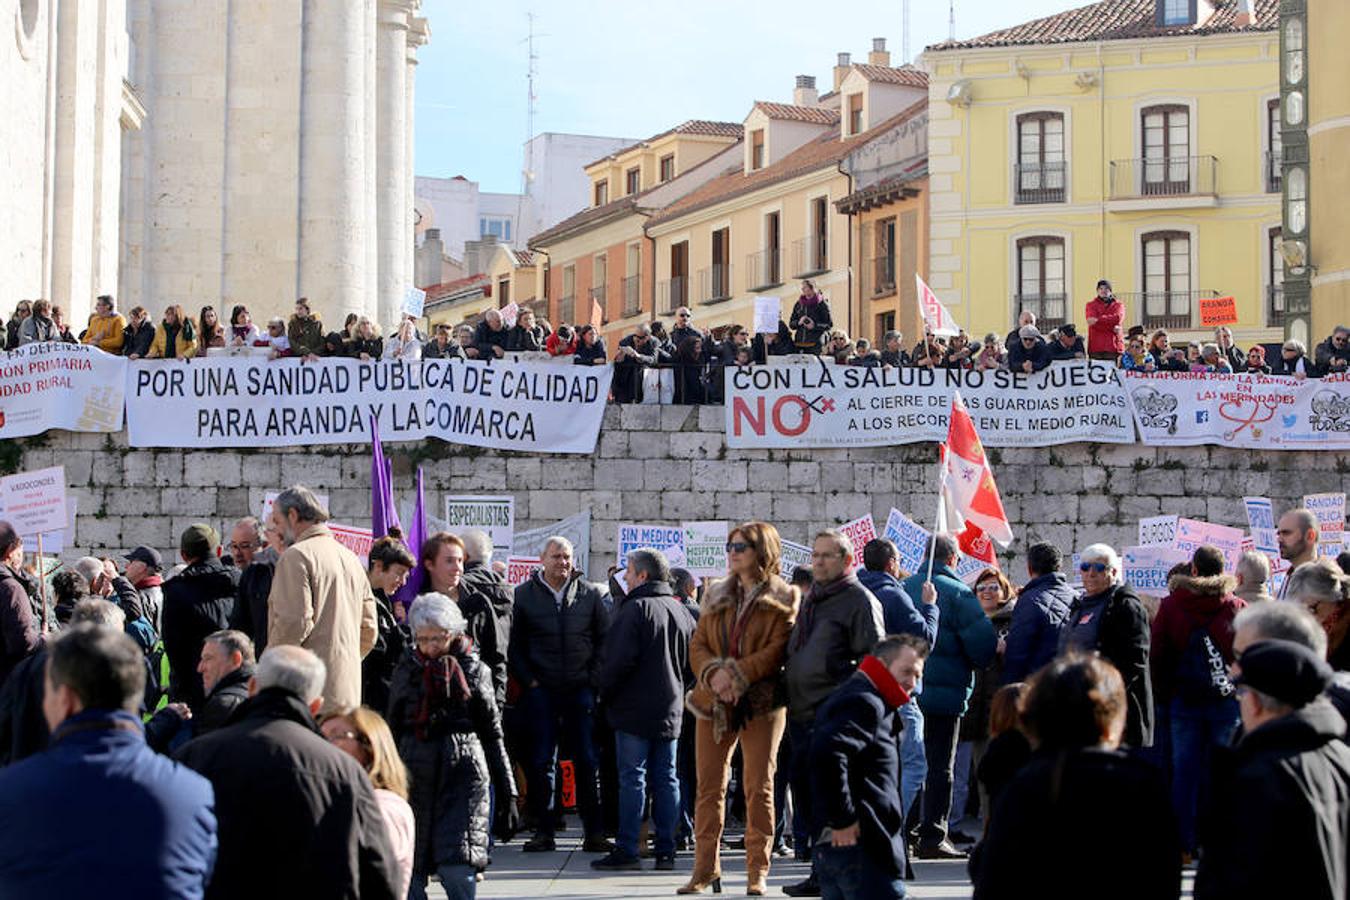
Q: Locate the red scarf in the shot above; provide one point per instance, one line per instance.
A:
(892, 694)
(443, 683)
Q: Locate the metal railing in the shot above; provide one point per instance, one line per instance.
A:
(567, 309)
(597, 295)
(1051, 310)
(1275, 305)
(1038, 182)
(810, 256)
(880, 273)
(766, 268)
(632, 302)
(1177, 176)
(714, 283)
(1274, 172)
(671, 294)
(1165, 309)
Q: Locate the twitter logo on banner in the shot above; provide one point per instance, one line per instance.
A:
(1290, 421)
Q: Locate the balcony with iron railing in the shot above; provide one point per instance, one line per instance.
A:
(1274, 171)
(1038, 182)
(567, 309)
(597, 295)
(1165, 309)
(632, 301)
(1050, 310)
(880, 275)
(714, 283)
(766, 268)
(810, 256)
(671, 294)
(1275, 305)
(1172, 183)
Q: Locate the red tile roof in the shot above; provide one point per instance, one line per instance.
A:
(696, 127)
(813, 114)
(587, 217)
(827, 149)
(1119, 20)
(523, 257)
(906, 75)
(438, 292)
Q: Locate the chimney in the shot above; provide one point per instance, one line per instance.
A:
(1243, 19)
(879, 55)
(428, 258)
(805, 93)
(841, 69)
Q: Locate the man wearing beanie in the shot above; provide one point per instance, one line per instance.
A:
(197, 603)
(1279, 824)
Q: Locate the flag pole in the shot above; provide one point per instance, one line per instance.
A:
(942, 486)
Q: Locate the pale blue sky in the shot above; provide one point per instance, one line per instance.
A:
(635, 68)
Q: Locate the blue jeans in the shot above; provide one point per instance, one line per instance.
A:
(846, 873)
(961, 780)
(566, 717)
(638, 758)
(913, 763)
(1197, 730)
(459, 880)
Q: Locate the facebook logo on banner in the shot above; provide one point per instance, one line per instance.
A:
(1201, 416)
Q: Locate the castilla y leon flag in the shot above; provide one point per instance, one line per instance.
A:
(976, 510)
(935, 316)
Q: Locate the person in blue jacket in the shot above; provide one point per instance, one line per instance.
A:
(965, 643)
(61, 810)
(1039, 616)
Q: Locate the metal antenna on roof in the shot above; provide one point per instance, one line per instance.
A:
(527, 174)
(951, 21)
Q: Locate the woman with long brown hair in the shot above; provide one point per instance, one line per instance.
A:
(737, 655)
(175, 338)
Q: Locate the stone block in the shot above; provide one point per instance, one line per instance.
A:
(99, 534)
(90, 500)
(666, 475)
(148, 530)
(220, 468)
(1058, 480)
(604, 504)
(524, 473)
(1125, 454)
(481, 473)
(613, 445)
(612, 418)
(130, 501)
(719, 475)
(1295, 484)
(138, 468)
(1178, 505)
(1122, 481)
(768, 476)
(1062, 536)
(696, 445)
(741, 506)
(712, 418)
(1097, 509)
(1049, 509)
(1187, 456)
(873, 478)
(354, 471)
(311, 470)
(189, 501)
(351, 506)
(803, 476)
(847, 506)
(640, 417)
(263, 470)
(604, 537)
(621, 475)
(1133, 507)
(80, 468)
(1160, 482)
(168, 468)
(571, 474)
(233, 503)
(790, 506)
(679, 418)
(1075, 454)
(640, 506)
(1226, 510)
(1095, 478)
(648, 445)
(677, 506)
(552, 505)
(836, 476)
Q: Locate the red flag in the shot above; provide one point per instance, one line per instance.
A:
(968, 482)
(976, 544)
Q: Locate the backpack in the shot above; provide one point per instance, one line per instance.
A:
(1202, 674)
(156, 665)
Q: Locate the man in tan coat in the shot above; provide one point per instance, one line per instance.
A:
(321, 599)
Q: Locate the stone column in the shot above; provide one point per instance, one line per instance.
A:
(418, 34)
(76, 99)
(332, 158)
(392, 160)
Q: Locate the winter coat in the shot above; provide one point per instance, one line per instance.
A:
(1123, 641)
(899, 612)
(500, 595)
(1103, 337)
(523, 339)
(1281, 366)
(298, 817)
(1282, 794)
(586, 356)
(37, 328)
(321, 600)
(556, 346)
(1057, 352)
(1253, 593)
(756, 665)
(782, 345)
(559, 649)
(988, 679)
(105, 332)
(484, 338)
(136, 340)
(838, 625)
(1082, 823)
(408, 351)
(1193, 602)
(1003, 758)
(896, 359)
(1130, 363)
(305, 335)
(377, 668)
(459, 755)
(143, 600)
(197, 603)
(250, 603)
(433, 350)
(372, 347)
(646, 656)
(691, 388)
(965, 642)
(1037, 619)
(18, 626)
(184, 342)
(1325, 353)
(100, 814)
(215, 339)
(1038, 355)
(482, 627)
(808, 340)
(855, 761)
(23, 725)
(227, 695)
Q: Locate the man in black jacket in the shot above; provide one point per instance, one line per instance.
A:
(479, 575)
(226, 667)
(1041, 611)
(1282, 792)
(297, 816)
(642, 681)
(557, 634)
(636, 352)
(197, 603)
(856, 762)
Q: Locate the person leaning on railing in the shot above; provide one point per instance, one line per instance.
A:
(105, 326)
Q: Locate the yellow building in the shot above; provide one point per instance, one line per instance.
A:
(1133, 140)
(517, 276)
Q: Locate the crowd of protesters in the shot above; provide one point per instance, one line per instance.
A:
(281, 720)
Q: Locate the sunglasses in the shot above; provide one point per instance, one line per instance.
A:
(1099, 568)
(737, 546)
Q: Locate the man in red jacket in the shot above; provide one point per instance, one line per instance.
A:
(1104, 315)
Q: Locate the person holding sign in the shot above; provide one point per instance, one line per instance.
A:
(18, 627)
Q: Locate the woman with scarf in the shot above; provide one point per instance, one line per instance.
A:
(737, 658)
(210, 333)
(810, 320)
(39, 326)
(175, 338)
(444, 715)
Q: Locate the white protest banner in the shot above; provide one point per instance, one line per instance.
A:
(909, 537)
(1155, 530)
(576, 528)
(794, 555)
(510, 312)
(1330, 512)
(270, 497)
(357, 540)
(520, 568)
(1261, 521)
(495, 515)
(1261, 412)
(635, 536)
(56, 385)
(249, 402)
(859, 531)
(1146, 568)
(768, 312)
(35, 502)
(414, 302)
(705, 548)
(1191, 533)
(855, 406)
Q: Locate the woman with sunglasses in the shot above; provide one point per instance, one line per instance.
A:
(737, 656)
(1108, 618)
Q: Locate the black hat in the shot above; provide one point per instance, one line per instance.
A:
(1104, 283)
(148, 555)
(1284, 670)
(1069, 330)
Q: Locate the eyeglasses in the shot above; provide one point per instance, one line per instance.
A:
(343, 736)
(989, 586)
(246, 545)
(1099, 568)
(432, 640)
(737, 546)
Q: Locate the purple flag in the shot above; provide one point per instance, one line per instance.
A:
(413, 538)
(383, 514)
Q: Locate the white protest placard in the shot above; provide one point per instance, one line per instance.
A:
(768, 313)
(794, 555)
(520, 568)
(414, 302)
(636, 536)
(57, 385)
(1261, 522)
(270, 497)
(510, 312)
(1157, 530)
(859, 531)
(1330, 512)
(705, 548)
(53, 542)
(968, 568)
(494, 515)
(1146, 568)
(910, 538)
(355, 539)
(576, 528)
(1191, 533)
(35, 502)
